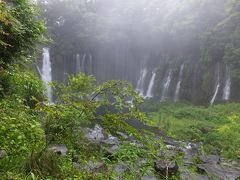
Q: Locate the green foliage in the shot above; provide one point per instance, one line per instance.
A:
(25, 84)
(20, 31)
(76, 104)
(20, 128)
(216, 126)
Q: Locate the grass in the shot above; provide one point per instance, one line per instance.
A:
(217, 126)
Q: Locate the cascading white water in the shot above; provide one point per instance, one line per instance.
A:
(83, 63)
(227, 88)
(78, 63)
(46, 72)
(90, 65)
(166, 86)
(217, 86)
(177, 91)
(141, 81)
(149, 93)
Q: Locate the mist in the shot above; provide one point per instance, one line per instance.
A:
(115, 39)
(120, 89)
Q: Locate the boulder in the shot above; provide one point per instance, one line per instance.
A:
(220, 172)
(3, 153)
(96, 167)
(120, 168)
(58, 149)
(95, 135)
(123, 135)
(165, 167)
(109, 152)
(211, 159)
(148, 178)
(169, 154)
(111, 140)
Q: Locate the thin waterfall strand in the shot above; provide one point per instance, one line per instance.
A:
(227, 88)
(149, 93)
(141, 81)
(166, 86)
(216, 87)
(47, 72)
(178, 87)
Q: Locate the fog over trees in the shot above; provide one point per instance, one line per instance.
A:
(119, 89)
(123, 37)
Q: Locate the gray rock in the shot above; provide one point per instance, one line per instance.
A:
(190, 151)
(77, 166)
(193, 177)
(148, 178)
(95, 135)
(186, 175)
(212, 159)
(111, 140)
(142, 161)
(58, 149)
(164, 167)
(96, 167)
(111, 151)
(222, 173)
(120, 168)
(169, 154)
(3, 153)
(74, 158)
(234, 163)
(124, 136)
(137, 144)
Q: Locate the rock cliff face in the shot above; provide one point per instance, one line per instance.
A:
(157, 77)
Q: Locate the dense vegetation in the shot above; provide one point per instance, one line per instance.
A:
(217, 126)
(29, 125)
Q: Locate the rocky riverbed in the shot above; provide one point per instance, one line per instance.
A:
(194, 163)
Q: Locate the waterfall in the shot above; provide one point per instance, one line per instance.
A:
(166, 86)
(149, 93)
(78, 63)
(177, 91)
(217, 86)
(47, 72)
(227, 88)
(140, 84)
(83, 63)
(90, 65)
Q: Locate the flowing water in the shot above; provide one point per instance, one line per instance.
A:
(166, 86)
(90, 68)
(217, 86)
(141, 82)
(78, 63)
(178, 87)
(227, 88)
(46, 72)
(149, 93)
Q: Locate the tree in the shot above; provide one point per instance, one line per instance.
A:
(20, 32)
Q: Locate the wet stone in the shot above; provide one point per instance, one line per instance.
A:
(111, 140)
(222, 173)
(212, 159)
(95, 135)
(123, 135)
(96, 167)
(58, 149)
(120, 168)
(148, 178)
(164, 166)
